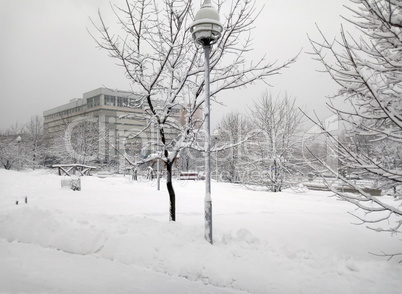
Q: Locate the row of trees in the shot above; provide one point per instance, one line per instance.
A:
(23, 145)
(269, 138)
(28, 146)
(260, 148)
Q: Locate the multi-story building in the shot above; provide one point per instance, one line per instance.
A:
(114, 118)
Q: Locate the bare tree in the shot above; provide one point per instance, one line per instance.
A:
(368, 70)
(9, 151)
(35, 141)
(76, 142)
(82, 140)
(277, 125)
(155, 48)
(12, 148)
(233, 128)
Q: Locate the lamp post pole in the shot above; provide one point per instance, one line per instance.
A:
(208, 198)
(206, 30)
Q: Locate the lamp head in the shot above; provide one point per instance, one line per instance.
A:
(206, 28)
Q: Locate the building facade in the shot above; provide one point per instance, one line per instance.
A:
(103, 126)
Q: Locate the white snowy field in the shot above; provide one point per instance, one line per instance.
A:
(114, 237)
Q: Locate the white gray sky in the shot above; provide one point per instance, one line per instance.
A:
(47, 56)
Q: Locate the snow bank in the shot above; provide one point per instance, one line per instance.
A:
(263, 242)
(237, 260)
(169, 248)
(27, 268)
(50, 229)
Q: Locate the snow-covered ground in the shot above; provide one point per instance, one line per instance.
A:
(114, 237)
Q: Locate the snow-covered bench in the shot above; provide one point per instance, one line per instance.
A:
(68, 169)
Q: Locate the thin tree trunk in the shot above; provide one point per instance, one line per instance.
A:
(172, 195)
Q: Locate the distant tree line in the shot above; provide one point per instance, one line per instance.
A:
(259, 148)
(28, 146)
(23, 145)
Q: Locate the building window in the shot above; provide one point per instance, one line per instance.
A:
(93, 101)
(110, 100)
(90, 102)
(122, 102)
(96, 101)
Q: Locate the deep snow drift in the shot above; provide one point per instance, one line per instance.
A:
(114, 237)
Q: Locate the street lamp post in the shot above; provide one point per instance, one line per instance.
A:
(206, 31)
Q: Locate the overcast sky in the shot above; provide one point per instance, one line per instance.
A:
(47, 56)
